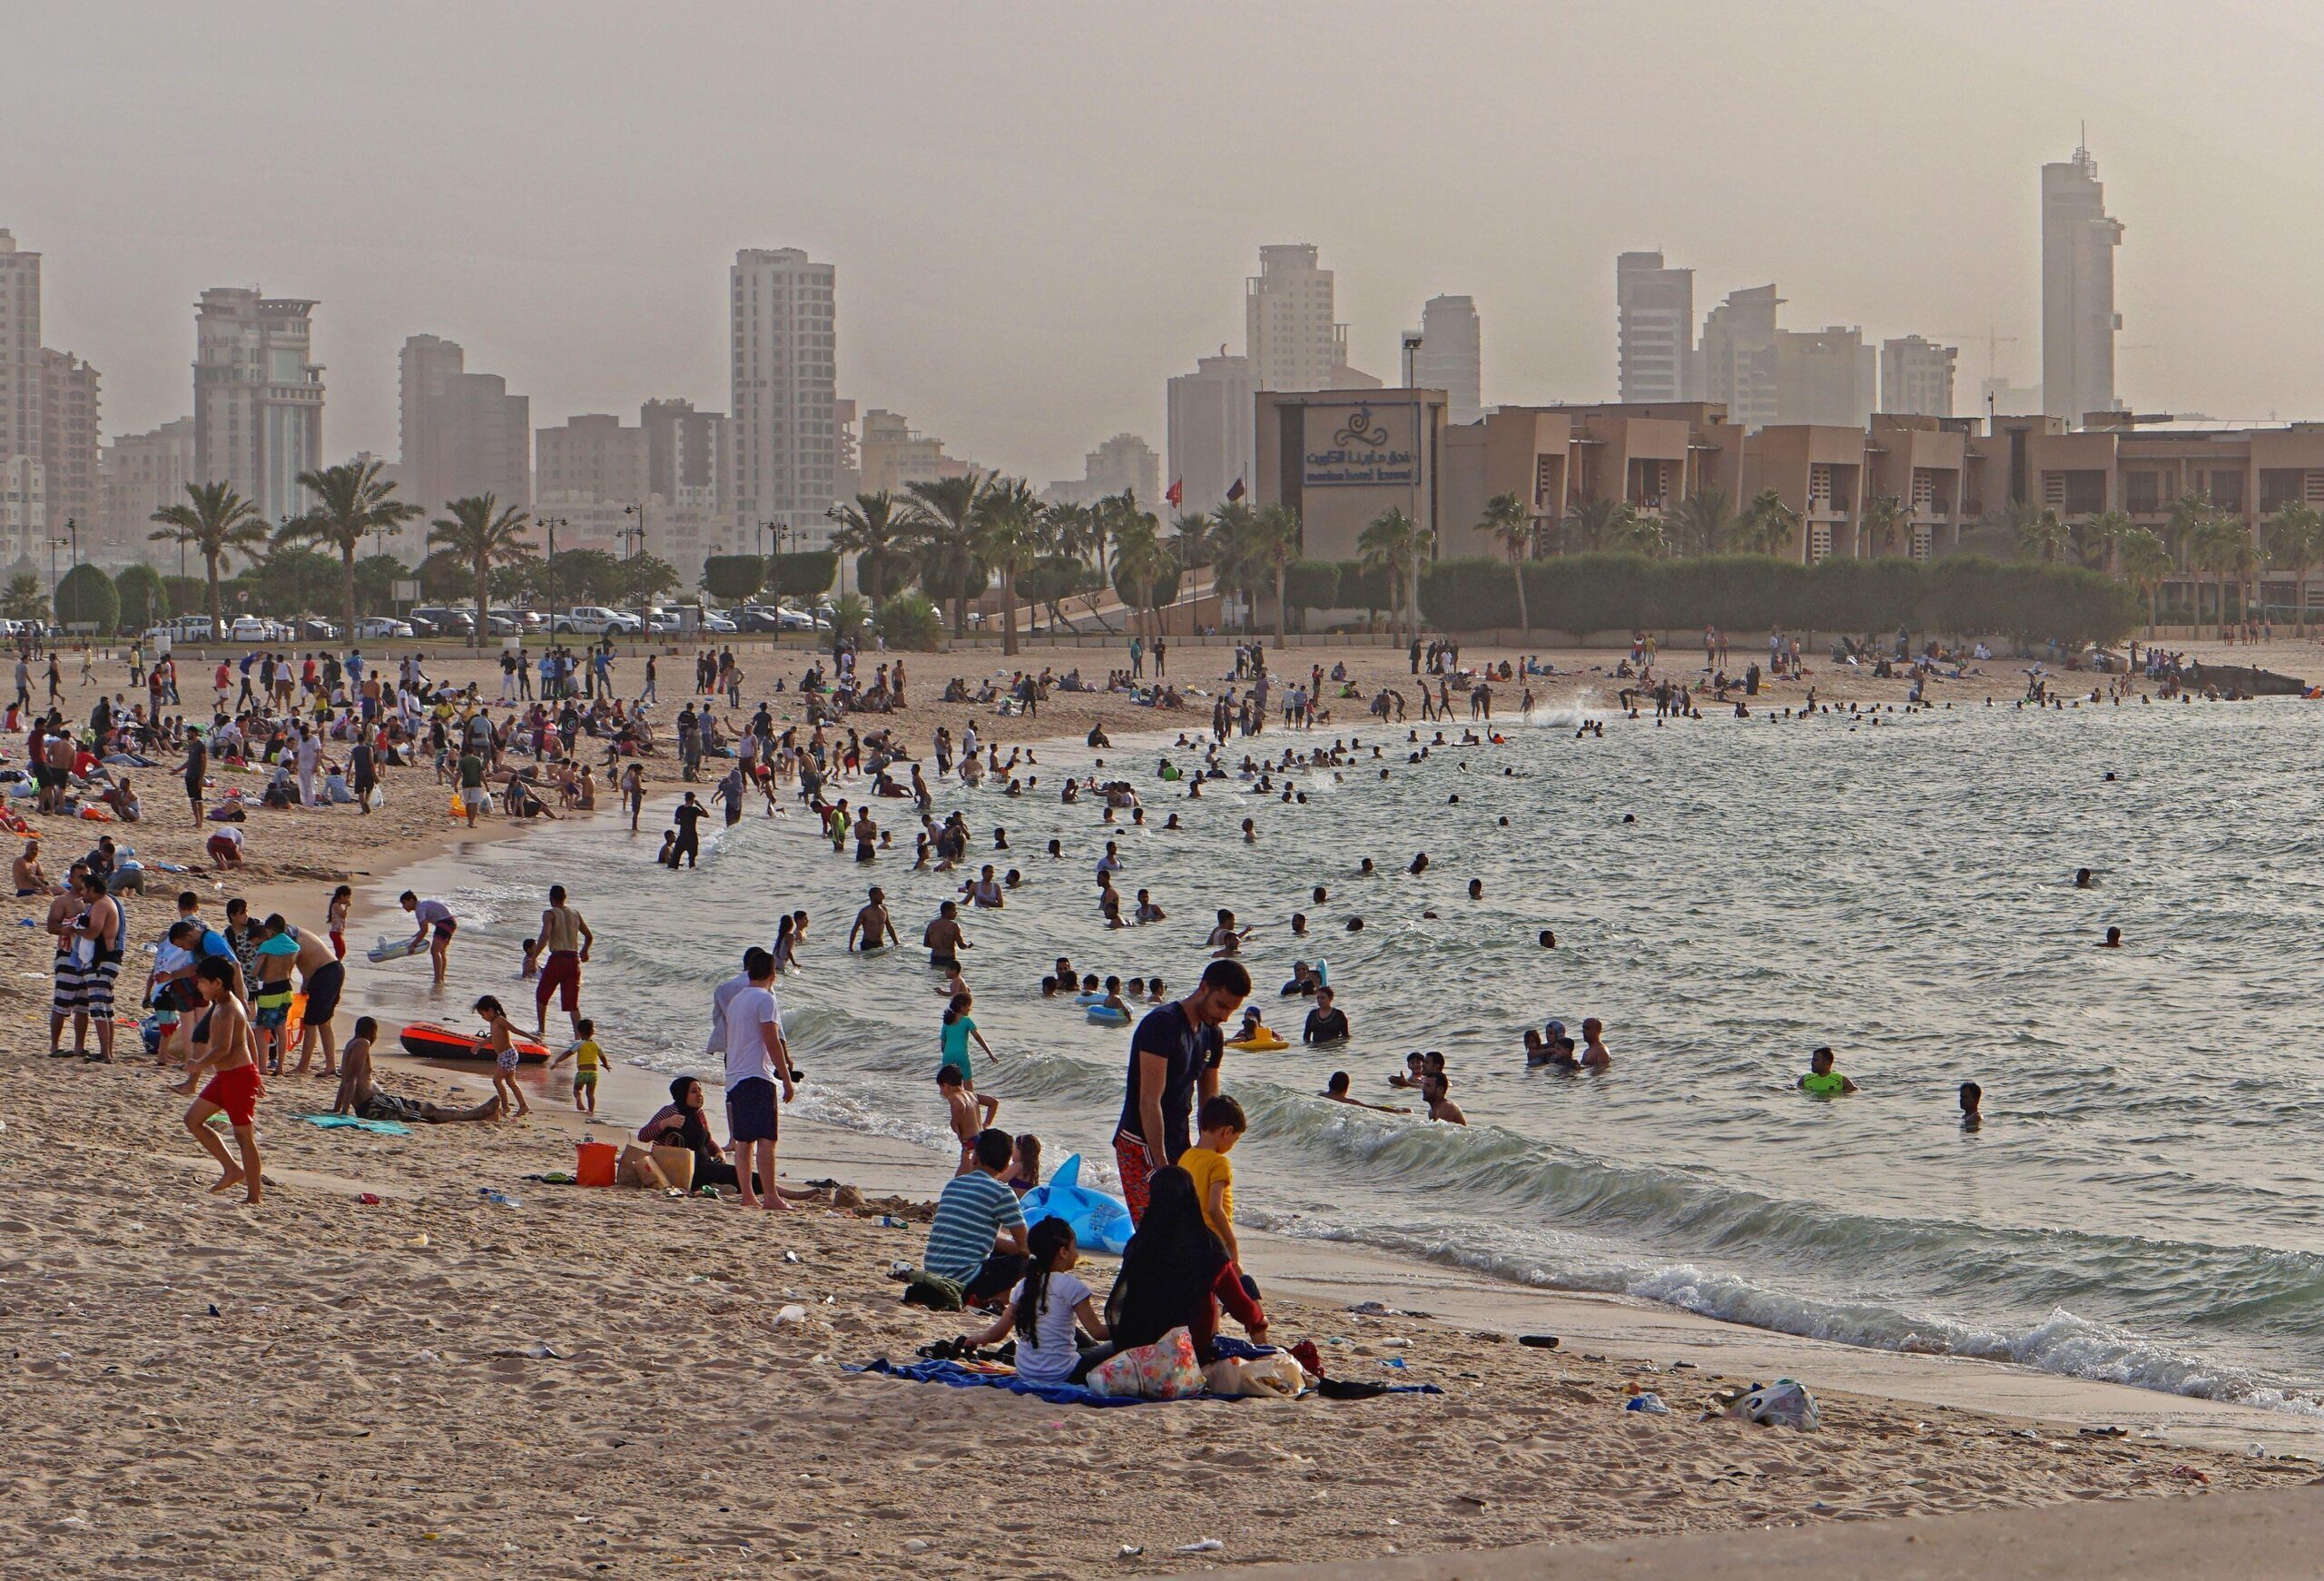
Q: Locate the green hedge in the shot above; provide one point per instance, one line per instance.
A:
(1312, 585)
(1964, 595)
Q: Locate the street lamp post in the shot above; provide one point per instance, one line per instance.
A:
(54, 544)
(549, 566)
(637, 534)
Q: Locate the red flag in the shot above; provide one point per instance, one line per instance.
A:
(1236, 492)
(1177, 495)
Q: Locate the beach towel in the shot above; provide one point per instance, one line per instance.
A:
(354, 1122)
(984, 1375)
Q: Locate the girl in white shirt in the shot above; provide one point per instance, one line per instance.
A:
(1046, 1306)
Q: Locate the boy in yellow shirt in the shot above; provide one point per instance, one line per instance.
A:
(1221, 1125)
(588, 1059)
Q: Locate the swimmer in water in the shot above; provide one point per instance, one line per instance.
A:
(1546, 939)
(1822, 1080)
(1420, 864)
(1336, 1091)
(1476, 889)
(1299, 924)
(2114, 939)
(2081, 879)
(1364, 868)
(1973, 1098)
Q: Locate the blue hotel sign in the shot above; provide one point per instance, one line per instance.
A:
(1361, 445)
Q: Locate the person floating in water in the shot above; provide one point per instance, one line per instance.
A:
(1822, 1080)
(1973, 1098)
(2114, 939)
(2081, 878)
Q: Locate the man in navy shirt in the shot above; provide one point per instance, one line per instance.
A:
(1173, 1056)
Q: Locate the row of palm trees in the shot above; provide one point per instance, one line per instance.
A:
(2197, 538)
(351, 503)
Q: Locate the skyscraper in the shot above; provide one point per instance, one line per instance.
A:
(1826, 376)
(140, 474)
(1917, 376)
(69, 443)
(20, 383)
(463, 434)
(686, 453)
(257, 402)
(1451, 355)
(2078, 316)
(1288, 332)
(1654, 311)
(1211, 419)
(1739, 360)
(785, 391)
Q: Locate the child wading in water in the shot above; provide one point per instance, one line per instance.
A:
(587, 1058)
(501, 1039)
(1046, 1306)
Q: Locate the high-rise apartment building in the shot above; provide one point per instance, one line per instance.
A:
(463, 434)
(1211, 417)
(686, 454)
(1123, 463)
(1917, 376)
(784, 387)
(1739, 360)
(258, 397)
(1826, 376)
(23, 510)
(69, 442)
(2078, 316)
(1288, 331)
(20, 362)
(592, 458)
(1654, 311)
(895, 455)
(138, 475)
(1451, 356)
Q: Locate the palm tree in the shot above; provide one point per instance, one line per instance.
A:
(1394, 541)
(1595, 523)
(217, 521)
(1274, 543)
(1767, 525)
(877, 530)
(2146, 561)
(1884, 516)
(1232, 528)
(21, 599)
(1140, 564)
(2219, 545)
(1511, 527)
(2295, 544)
(2040, 533)
(2095, 540)
(944, 513)
(351, 504)
(1701, 522)
(1192, 540)
(1011, 533)
(1638, 533)
(482, 535)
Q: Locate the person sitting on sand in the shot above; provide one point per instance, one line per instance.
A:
(1175, 1273)
(1822, 1080)
(362, 1096)
(1046, 1307)
(1336, 1091)
(977, 1240)
(30, 879)
(680, 1122)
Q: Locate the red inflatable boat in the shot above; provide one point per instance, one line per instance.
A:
(424, 1040)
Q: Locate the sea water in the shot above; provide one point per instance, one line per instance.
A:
(2143, 1203)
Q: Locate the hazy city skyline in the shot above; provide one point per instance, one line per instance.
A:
(1039, 213)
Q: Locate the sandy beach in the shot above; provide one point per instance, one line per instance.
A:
(604, 1383)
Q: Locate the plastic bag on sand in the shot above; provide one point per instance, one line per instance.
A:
(1099, 1223)
(1164, 1370)
(1279, 1376)
(1781, 1404)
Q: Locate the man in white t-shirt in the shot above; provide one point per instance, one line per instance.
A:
(756, 1059)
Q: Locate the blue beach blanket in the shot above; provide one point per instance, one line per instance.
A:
(953, 1374)
(355, 1123)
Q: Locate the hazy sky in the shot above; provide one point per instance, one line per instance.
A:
(1040, 212)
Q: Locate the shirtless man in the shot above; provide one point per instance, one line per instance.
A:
(872, 925)
(97, 949)
(65, 1004)
(222, 1045)
(30, 879)
(967, 1111)
(565, 941)
(1336, 1091)
(360, 1096)
(944, 939)
(1436, 1087)
(323, 977)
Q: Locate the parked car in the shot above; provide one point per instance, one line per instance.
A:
(499, 624)
(758, 617)
(446, 621)
(595, 621)
(376, 627)
(254, 628)
(715, 621)
(313, 627)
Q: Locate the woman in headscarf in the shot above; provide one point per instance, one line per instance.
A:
(680, 1123)
(1175, 1274)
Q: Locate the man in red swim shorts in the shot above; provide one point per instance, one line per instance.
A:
(222, 1045)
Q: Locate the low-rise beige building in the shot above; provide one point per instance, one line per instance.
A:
(1341, 458)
